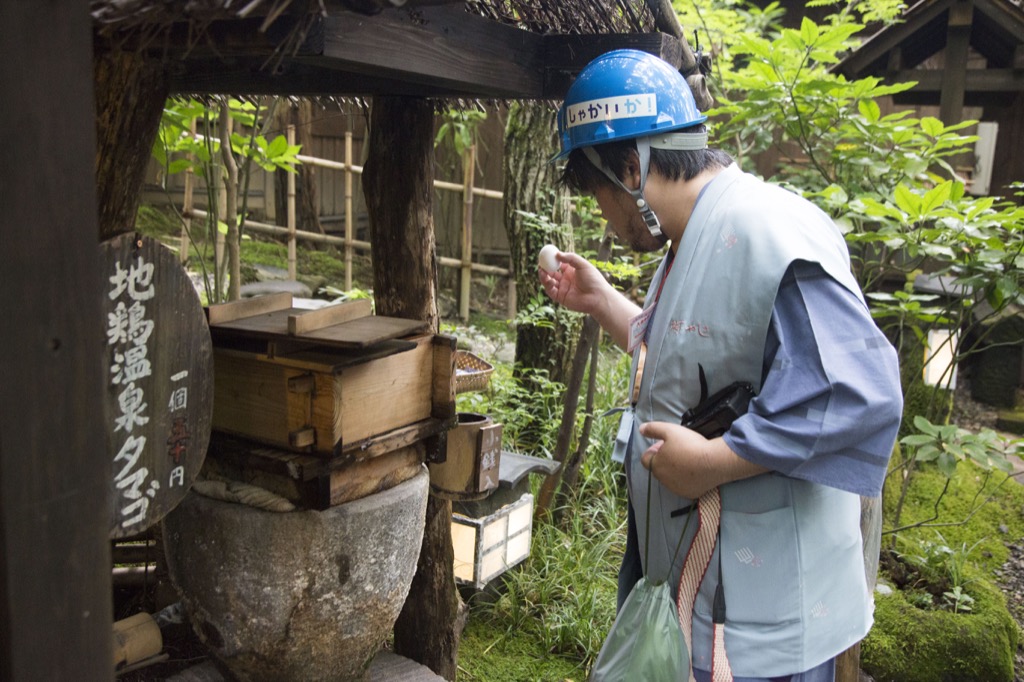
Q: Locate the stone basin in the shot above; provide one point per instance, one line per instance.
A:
(301, 595)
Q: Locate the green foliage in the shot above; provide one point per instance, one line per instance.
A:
(537, 312)
(562, 599)
(460, 127)
(941, 562)
(175, 143)
(187, 141)
(536, 411)
(488, 652)
(971, 510)
(565, 595)
(947, 445)
(337, 295)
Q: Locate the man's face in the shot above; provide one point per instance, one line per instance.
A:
(622, 214)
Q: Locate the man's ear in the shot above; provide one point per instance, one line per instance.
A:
(631, 171)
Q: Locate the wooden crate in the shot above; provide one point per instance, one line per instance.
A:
(337, 382)
(332, 403)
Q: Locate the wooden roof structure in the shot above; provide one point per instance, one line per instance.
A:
(961, 53)
(486, 49)
(89, 80)
(994, 29)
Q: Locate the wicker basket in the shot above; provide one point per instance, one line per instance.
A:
(471, 373)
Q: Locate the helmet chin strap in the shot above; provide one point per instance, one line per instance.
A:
(643, 149)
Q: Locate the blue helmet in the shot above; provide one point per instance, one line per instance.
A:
(621, 95)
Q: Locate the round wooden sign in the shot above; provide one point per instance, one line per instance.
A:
(159, 361)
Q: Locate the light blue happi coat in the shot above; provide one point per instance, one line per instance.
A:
(791, 550)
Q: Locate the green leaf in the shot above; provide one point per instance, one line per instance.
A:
(278, 146)
(907, 201)
(947, 464)
(869, 109)
(808, 31)
(932, 126)
(936, 196)
(925, 426)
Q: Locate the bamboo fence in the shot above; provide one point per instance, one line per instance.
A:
(350, 244)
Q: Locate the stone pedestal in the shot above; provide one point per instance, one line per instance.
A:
(305, 595)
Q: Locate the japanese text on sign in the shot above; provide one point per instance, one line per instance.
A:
(611, 108)
(129, 330)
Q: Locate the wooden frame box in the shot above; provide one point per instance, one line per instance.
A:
(340, 403)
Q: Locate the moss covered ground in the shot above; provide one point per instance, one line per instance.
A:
(916, 638)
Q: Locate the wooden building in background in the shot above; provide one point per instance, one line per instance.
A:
(967, 57)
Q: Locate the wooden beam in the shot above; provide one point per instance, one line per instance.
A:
(878, 45)
(1006, 14)
(444, 46)
(958, 43)
(435, 51)
(566, 55)
(55, 467)
(976, 80)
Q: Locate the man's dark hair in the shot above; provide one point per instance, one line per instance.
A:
(581, 176)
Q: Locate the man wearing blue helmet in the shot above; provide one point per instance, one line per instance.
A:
(755, 290)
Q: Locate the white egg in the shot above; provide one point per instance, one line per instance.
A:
(547, 258)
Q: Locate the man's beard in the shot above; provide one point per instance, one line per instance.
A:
(642, 241)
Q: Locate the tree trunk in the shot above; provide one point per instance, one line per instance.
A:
(307, 188)
(530, 142)
(130, 97)
(233, 237)
(399, 195)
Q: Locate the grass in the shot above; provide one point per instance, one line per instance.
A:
(547, 619)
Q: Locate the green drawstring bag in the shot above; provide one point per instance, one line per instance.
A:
(645, 641)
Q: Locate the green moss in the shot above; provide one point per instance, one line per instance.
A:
(271, 254)
(489, 653)
(974, 494)
(1011, 421)
(159, 223)
(909, 644)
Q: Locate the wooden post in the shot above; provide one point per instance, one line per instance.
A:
(848, 662)
(465, 281)
(510, 300)
(399, 198)
(55, 598)
(958, 39)
(349, 213)
(291, 211)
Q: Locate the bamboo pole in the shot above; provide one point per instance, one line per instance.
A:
(187, 202)
(510, 298)
(468, 166)
(349, 212)
(291, 211)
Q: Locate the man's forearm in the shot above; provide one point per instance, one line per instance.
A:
(615, 314)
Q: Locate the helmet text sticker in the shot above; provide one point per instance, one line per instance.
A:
(611, 108)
